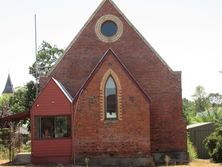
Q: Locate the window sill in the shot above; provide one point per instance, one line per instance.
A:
(110, 121)
(61, 138)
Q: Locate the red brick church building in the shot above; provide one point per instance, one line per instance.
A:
(110, 98)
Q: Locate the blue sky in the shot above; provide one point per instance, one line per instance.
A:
(186, 33)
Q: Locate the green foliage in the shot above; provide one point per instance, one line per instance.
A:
(4, 104)
(4, 143)
(191, 150)
(211, 115)
(213, 144)
(17, 101)
(30, 93)
(27, 148)
(204, 108)
(23, 98)
(188, 110)
(46, 58)
(200, 99)
(4, 154)
(4, 136)
(215, 99)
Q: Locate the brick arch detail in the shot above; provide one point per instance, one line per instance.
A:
(110, 72)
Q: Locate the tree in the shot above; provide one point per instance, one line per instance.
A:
(213, 143)
(211, 115)
(4, 105)
(23, 98)
(188, 110)
(46, 58)
(30, 93)
(215, 99)
(17, 101)
(200, 99)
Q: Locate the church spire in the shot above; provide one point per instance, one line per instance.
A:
(8, 86)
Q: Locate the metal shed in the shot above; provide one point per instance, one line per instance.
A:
(197, 133)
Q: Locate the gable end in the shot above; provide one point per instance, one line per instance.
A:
(124, 68)
(129, 23)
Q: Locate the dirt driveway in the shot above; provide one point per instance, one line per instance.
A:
(195, 163)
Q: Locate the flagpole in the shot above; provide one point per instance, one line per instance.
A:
(36, 64)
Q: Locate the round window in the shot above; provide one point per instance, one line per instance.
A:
(109, 28)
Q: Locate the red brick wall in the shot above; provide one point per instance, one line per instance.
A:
(168, 132)
(51, 101)
(129, 136)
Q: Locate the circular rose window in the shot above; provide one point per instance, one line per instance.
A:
(109, 28)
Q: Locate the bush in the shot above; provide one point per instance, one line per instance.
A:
(191, 150)
(3, 153)
(27, 148)
(213, 144)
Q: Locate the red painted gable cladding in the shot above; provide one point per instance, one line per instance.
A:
(129, 136)
(167, 127)
(51, 102)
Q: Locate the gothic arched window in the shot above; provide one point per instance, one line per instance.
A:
(110, 99)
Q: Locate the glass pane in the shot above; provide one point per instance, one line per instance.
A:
(111, 99)
(62, 127)
(47, 127)
(37, 130)
(109, 28)
(52, 127)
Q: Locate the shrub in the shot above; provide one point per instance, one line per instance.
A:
(213, 144)
(3, 153)
(191, 150)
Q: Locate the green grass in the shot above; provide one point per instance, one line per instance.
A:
(191, 150)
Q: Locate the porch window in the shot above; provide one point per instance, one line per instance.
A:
(52, 127)
(110, 99)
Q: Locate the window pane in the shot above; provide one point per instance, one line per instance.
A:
(52, 127)
(111, 99)
(47, 127)
(62, 125)
(109, 28)
(37, 130)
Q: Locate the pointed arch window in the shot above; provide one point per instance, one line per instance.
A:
(110, 99)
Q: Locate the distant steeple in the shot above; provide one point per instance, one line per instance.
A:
(8, 86)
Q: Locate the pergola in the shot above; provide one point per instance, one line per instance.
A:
(10, 121)
(16, 117)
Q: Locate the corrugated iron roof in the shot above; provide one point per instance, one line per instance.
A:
(198, 124)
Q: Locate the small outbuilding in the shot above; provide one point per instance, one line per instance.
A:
(198, 133)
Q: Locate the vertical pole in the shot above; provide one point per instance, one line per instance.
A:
(36, 64)
(1, 153)
(19, 136)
